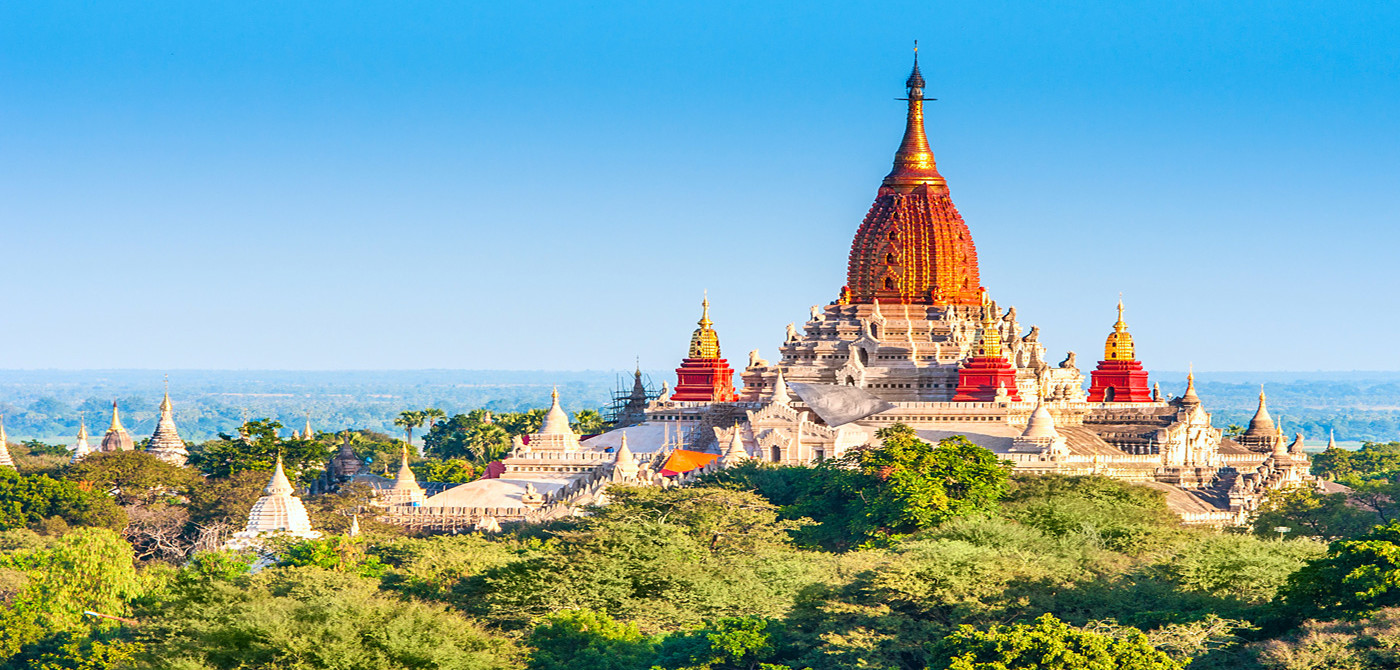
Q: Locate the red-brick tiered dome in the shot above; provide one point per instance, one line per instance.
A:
(913, 247)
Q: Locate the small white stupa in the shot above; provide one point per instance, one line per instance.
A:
(277, 513)
(5, 460)
(81, 448)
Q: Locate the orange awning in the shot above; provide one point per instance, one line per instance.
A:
(682, 461)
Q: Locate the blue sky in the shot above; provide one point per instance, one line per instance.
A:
(553, 185)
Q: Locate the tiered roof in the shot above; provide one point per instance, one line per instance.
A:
(165, 442)
(913, 247)
(116, 439)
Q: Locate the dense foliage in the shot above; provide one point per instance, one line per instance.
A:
(905, 555)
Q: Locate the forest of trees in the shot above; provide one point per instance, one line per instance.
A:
(909, 555)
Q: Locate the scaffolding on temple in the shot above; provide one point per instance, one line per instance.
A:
(628, 406)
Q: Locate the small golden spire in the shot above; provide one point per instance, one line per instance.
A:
(1119, 346)
(116, 419)
(990, 344)
(704, 342)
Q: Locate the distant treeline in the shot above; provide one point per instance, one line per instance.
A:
(45, 404)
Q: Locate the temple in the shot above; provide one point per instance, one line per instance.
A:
(912, 338)
(165, 442)
(704, 375)
(1119, 376)
(5, 460)
(116, 439)
(277, 513)
(81, 448)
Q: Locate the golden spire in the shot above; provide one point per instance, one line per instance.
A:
(704, 342)
(913, 162)
(116, 420)
(1119, 346)
(1190, 395)
(165, 407)
(991, 337)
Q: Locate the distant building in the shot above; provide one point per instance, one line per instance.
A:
(116, 439)
(165, 442)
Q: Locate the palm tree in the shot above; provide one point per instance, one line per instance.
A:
(408, 420)
(432, 415)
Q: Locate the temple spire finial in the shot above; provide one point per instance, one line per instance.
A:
(913, 162)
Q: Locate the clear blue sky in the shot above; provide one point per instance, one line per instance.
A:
(552, 185)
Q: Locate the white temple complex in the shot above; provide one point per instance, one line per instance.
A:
(913, 338)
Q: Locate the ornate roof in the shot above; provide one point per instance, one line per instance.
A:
(704, 342)
(1262, 425)
(278, 510)
(1119, 346)
(116, 439)
(556, 421)
(913, 247)
(165, 442)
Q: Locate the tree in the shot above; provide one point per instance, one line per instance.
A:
(1327, 516)
(86, 569)
(308, 618)
(1354, 578)
(472, 436)
(584, 639)
(1049, 644)
(522, 423)
(132, 477)
(589, 422)
(257, 447)
(452, 471)
(903, 485)
(28, 500)
(1119, 515)
(432, 415)
(730, 643)
(408, 420)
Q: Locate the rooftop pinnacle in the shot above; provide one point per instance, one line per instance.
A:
(913, 162)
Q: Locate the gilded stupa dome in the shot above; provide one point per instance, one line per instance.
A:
(704, 342)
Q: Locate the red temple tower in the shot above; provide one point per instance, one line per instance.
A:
(988, 373)
(704, 375)
(1119, 376)
(913, 247)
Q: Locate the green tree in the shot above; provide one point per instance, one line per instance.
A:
(1116, 514)
(731, 643)
(472, 436)
(584, 639)
(86, 569)
(902, 486)
(1327, 516)
(1354, 578)
(522, 423)
(307, 618)
(588, 422)
(256, 447)
(432, 415)
(132, 477)
(408, 420)
(1049, 644)
(28, 500)
(453, 471)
